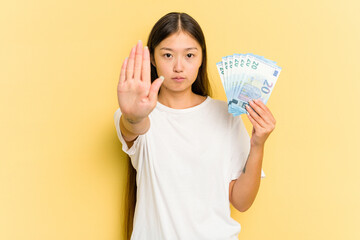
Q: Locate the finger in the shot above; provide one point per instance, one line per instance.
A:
(130, 65)
(262, 113)
(122, 72)
(265, 108)
(145, 74)
(253, 122)
(255, 116)
(154, 88)
(138, 60)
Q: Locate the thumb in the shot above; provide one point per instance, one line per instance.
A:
(154, 88)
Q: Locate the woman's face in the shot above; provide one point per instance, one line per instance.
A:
(177, 58)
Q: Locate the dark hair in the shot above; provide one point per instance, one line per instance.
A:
(170, 23)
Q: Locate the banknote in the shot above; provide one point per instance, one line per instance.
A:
(246, 77)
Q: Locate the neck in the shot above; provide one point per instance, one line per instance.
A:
(180, 100)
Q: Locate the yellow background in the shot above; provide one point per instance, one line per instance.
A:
(62, 171)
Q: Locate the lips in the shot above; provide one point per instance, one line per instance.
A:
(178, 78)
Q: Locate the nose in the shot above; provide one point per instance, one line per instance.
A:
(178, 66)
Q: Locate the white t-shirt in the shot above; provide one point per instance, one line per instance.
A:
(184, 165)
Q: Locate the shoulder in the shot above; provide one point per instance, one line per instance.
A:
(219, 108)
(218, 104)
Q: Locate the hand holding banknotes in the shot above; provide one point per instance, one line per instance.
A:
(262, 120)
(137, 96)
(248, 81)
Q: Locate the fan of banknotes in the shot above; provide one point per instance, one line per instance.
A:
(246, 77)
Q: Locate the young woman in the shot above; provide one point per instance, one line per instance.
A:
(188, 151)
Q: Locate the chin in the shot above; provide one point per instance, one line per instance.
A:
(175, 89)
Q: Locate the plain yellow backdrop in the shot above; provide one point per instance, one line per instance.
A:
(62, 171)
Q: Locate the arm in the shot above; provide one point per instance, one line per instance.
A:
(242, 191)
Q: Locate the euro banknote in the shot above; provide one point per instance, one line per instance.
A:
(246, 77)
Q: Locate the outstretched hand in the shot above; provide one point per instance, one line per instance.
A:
(262, 120)
(137, 96)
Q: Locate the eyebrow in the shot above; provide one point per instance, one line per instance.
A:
(164, 48)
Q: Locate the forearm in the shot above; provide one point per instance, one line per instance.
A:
(131, 129)
(247, 185)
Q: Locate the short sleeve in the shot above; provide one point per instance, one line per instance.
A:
(240, 147)
(130, 151)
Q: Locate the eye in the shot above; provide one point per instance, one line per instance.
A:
(189, 55)
(167, 55)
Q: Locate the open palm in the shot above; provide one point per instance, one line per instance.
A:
(137, 97)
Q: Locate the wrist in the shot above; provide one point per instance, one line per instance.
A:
(137, 128)
(257, 146)
(132, 120)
